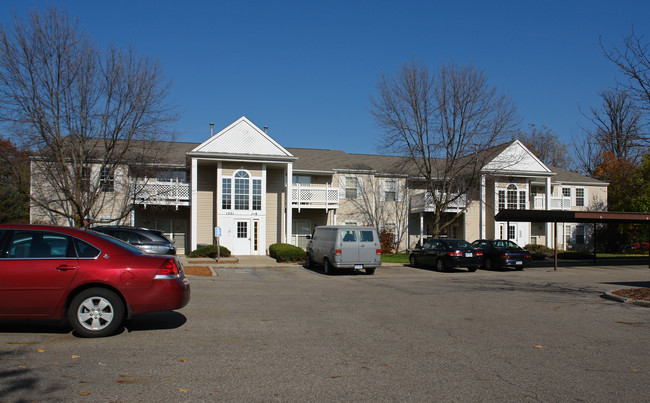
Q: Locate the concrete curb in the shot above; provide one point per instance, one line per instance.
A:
(618, 298)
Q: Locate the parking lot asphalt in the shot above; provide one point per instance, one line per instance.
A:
(287, 333)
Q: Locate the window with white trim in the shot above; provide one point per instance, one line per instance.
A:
(351, 185)
(107, 179)
(226, 193)
(511, 195)
(390, 190)
(257, 194)
(242, 190)
(580, 197)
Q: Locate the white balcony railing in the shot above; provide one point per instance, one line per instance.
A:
(167, 193)
(423, 202)
(556, 203)
(305, 196)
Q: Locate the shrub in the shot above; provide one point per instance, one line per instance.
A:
(210, 251)
(387, 241)
(539, 252)
(283, 252)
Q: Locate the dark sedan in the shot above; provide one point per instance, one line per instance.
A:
(94, 281)
(500, 253)
(445, 254)
(147, 240)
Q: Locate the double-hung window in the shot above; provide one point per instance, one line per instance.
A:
(580, 197)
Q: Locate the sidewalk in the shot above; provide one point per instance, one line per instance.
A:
(234, 262)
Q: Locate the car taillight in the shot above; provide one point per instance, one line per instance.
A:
(378, 251)
(479, 253)
(505, 256)
(337, 252)
(528, 256)
(456, 253)
(168, 268)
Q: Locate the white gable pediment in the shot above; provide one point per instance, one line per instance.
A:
(516, 158)
(242, 138)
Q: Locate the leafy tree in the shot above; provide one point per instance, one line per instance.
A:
(545, 145)
(88, 115)
(14, 202)
(439, 122)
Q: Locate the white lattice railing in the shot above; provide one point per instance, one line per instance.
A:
(162, 192)
(425, 202)
(314, 196)
(556, 203)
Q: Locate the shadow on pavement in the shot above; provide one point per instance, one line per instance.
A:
(155, 321)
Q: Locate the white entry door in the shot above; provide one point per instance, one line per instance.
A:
(242, 244)
(247, 238)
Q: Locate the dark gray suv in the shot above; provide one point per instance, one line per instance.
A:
(147, 240)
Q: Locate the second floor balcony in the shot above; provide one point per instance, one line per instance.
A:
(162, 193)
(424, 202)
(307, 196)
(555, 203)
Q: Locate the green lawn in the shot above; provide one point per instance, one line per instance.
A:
(396, 258)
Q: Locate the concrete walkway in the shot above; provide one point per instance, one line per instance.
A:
(235, 262)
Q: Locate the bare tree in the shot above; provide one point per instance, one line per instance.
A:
(88, 115)
(382, 201)
(440, 122)
(545, 145)
(616, 129)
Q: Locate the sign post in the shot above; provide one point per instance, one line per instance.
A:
(217, 234)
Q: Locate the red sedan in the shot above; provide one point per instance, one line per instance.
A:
(92, 280)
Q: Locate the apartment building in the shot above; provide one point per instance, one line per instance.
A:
(241, 185)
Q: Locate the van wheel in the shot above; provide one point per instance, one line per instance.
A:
(327, 267)
(308, 261)
(370, 270)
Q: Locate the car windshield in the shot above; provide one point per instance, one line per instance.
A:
(457, 243)
(506, 245)
(118, 242)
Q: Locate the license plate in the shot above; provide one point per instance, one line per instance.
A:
(358, 266)
(519, 262)
(468, 254)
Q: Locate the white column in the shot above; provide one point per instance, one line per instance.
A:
(550, 236)
(289, 214)
(482, 218)
(193, 206)
(421, 227)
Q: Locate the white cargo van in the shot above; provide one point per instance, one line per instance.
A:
(344, 246)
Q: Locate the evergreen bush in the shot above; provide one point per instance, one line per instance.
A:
(210, 251)
(283, 252)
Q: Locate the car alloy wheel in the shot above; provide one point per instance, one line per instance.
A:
(413, 261)
(96, 312)
(440, 265)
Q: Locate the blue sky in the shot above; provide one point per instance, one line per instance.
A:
(307, 69)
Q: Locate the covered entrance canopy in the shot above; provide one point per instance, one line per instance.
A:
(555, 216)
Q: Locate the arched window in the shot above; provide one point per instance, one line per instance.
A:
(242, 190)
(511, 196)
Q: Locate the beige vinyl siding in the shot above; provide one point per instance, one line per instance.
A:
(472, 222)
(275, 205)
(206, 193)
